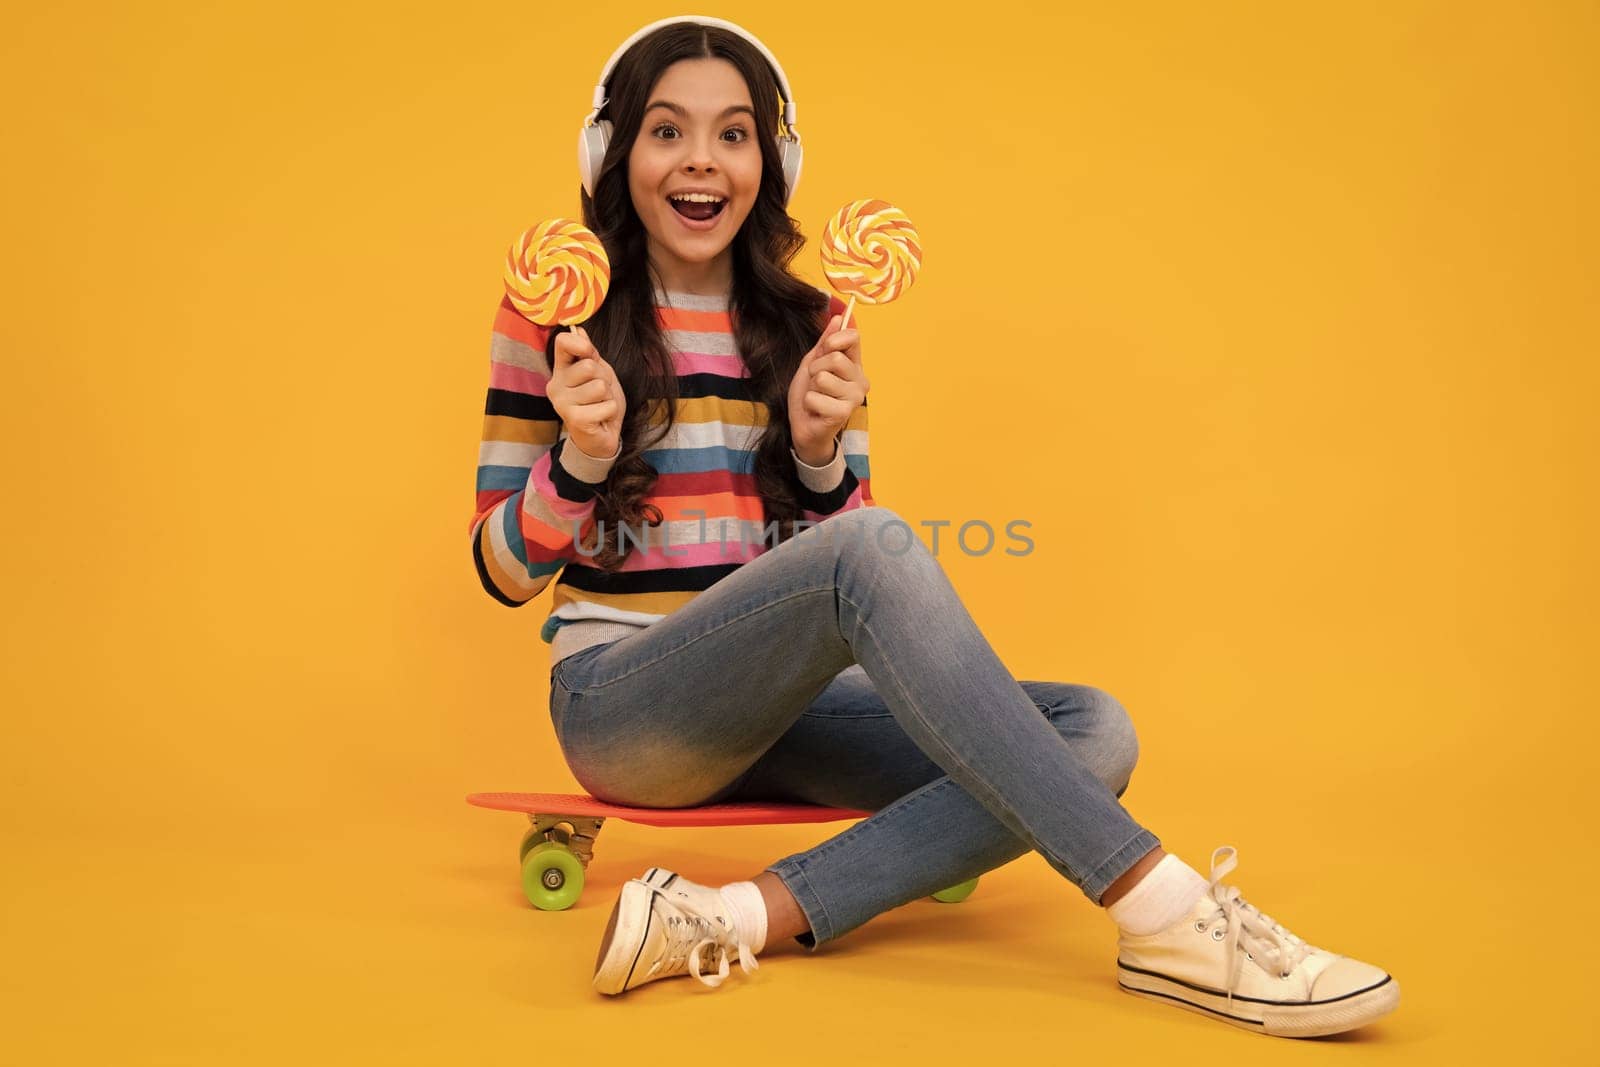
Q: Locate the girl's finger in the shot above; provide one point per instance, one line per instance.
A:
(563, 354)
(831, 384)
(838, 362)
(838, 342)
(829, 332)
(581, 372)
(583, 347)
(827, 406)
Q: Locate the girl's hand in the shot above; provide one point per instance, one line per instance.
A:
(829, 384)
(585, 392)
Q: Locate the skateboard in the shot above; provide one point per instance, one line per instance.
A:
(559, 843)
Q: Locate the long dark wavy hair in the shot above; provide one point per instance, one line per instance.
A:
(776, 316)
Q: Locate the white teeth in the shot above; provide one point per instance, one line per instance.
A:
(697, 198)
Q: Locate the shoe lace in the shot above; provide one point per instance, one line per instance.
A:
(1265, 936)
(700, 939)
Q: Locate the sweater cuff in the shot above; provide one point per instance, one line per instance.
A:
(825, 478)
(576, 474)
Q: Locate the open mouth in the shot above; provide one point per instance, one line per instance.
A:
(699, 210)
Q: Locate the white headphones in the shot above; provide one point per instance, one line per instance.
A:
(595, 133)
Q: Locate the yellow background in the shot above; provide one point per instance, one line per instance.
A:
(1277, 321)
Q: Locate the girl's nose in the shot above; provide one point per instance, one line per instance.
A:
(699, 155)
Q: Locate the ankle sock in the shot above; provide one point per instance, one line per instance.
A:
(1162, 897)
(748, 912)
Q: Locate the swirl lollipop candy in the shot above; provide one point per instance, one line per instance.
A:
(557, 273)
(870, 250)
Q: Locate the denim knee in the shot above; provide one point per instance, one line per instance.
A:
(869, 530)
(1099, 729)
(1121, 741)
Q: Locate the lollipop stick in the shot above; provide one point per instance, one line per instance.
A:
(844, 323)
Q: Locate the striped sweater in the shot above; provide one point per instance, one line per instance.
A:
(535, 488)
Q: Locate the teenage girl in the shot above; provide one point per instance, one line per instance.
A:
(837, 667)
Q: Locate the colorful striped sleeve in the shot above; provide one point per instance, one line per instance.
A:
(844, 483)
(535, 488)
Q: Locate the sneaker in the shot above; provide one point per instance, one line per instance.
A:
(1230, 961)
(665, 925)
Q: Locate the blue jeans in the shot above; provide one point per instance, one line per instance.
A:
(834, 669)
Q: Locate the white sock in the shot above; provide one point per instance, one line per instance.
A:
(748, 912)
(1162, 897)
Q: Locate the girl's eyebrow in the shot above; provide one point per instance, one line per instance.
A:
(681, 111)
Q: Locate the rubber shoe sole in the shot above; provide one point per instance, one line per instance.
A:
(624, 939)
(1315, 1018)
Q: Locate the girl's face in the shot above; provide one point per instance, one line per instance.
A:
(698, 135)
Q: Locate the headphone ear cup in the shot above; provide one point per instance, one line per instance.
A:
(790, 155)
(592, 142)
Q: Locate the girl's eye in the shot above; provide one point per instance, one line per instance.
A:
(740, 130)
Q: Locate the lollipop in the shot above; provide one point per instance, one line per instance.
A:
(557, 273)
(870, 250)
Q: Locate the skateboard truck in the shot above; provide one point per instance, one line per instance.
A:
(577, 832)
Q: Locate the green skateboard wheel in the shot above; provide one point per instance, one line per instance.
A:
(956, 893)
(529, 839)
(552, 877)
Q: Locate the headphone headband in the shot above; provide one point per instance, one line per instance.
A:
(595, 133)
(599, 100)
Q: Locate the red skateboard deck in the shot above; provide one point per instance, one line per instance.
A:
(558, 846)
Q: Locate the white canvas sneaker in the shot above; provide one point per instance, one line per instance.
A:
(1230, 961)
(665, 925)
